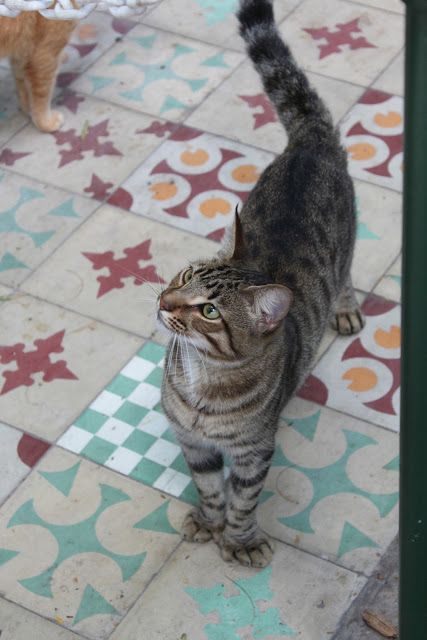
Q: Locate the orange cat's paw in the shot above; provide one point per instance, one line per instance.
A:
(50, 122)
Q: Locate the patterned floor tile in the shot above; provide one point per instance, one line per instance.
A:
(343, 40)
(113, 266)
(19, 453)
(92, 36)
(194, 181)
(26, 240)
(360, 375)
(52, 363)
(124, 428)
(379, 233)
(390, 286)
(373, 134)
(211, 20)
(98, 146)
(392, 79)
(11, 119)
(206, 599)
(333, 486)
(19, 624)
(248, 116)
(79, 543)
(158, 73)
(390, 5)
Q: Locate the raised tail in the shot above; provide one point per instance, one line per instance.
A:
(284, 82)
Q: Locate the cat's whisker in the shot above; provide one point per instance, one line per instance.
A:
(199, 354)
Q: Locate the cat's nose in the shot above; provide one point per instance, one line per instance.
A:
(165, 304)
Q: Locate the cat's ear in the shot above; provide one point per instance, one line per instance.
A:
(234, 245)
(269, 304)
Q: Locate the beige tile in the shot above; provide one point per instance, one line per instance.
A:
(80, 543)
(19, 624)
(11, 118)
(98, 146)
(379, 233)
(119, 287)
(392, 79)
(203, 597)
(398, 6)
(239, 109)
(25, 239)
(59, 362)
(352, 42)
(390, 286)
(333, 490)
(360, 375)
(158, 73)
(207, 20)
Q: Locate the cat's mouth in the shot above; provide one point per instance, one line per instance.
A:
(173, 324)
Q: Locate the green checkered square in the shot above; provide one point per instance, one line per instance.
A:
(131, 413)
(91, 420)
(162, 466)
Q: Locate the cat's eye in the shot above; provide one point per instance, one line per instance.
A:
(210, 312)
(187, 276)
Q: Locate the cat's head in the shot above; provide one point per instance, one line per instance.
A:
(222, 306)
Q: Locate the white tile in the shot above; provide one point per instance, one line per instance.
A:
(115, 431)
(138, 369)
(173, 482)
(145, 395)
(123, 460)
(107, 403)
(154, 423)
(163, 452)
(75, 439)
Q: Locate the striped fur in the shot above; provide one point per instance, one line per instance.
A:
(275, 285)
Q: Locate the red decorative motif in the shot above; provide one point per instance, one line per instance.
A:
(84, 49)
(122, 268)
(9, 157)
(71, 101)
(335, 40)
(265, 113)
(86, 140)
(159, 129)
(36, 361)
(314, 389)
(98, 188)
(30, 449)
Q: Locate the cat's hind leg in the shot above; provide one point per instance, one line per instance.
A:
(18, 69)
(207, 520)
(347, 317)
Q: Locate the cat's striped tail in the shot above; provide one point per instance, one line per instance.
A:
(284, 82)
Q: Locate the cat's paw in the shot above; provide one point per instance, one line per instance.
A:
(49, 122)
(257, 553)
(348, 322)
(194, 529)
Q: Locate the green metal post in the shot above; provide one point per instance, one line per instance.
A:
(413, 479)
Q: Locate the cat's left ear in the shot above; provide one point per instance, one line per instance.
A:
(269, 304)
(234, 245)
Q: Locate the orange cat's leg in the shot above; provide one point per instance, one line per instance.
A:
(40, 76)
(21, 88)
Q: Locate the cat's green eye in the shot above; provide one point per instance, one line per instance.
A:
(187, 276)
(210, 312)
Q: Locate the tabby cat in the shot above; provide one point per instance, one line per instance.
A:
(246, 325)
(34, 44)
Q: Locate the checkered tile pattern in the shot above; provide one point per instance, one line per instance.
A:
(125, 429)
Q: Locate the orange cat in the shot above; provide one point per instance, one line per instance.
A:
(34, 45)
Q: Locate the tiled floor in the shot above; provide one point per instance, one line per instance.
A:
(166, 130)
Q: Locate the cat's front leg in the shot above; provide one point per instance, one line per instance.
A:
(242, 539)
(207, 520)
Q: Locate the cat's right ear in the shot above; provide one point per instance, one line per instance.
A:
(234, 245)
